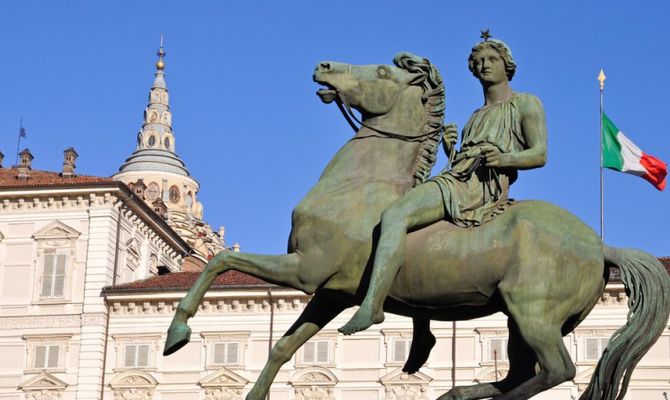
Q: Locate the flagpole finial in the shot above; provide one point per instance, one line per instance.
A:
(601, 79)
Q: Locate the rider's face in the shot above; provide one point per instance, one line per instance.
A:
(488, 66)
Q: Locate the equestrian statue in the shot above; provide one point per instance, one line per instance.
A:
(377, 231)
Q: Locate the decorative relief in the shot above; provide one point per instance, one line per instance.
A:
(405, 393)
(291, 304)
(43, 387)
(133, 385)
(314, 383)
(64, 321)
(401, 386)
(314, 393)
(223, 394)
(223, 385)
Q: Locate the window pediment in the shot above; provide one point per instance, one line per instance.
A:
(43, 381)
(56, 230)
(133, 380)
(223, 378)
(398, 377)
(314, 376)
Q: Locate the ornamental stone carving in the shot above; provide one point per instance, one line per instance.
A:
(314, 393)
(227, 393)
(133, 394)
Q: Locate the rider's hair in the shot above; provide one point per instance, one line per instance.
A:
(502, 49)
(429, 78)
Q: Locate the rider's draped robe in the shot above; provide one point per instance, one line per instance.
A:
(474, 193)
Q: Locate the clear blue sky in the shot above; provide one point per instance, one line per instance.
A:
(256, 137)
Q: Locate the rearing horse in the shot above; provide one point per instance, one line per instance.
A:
(536, 263)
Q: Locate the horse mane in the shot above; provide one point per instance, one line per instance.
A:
(430, 80)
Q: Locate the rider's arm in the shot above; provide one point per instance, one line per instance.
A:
(534, 131)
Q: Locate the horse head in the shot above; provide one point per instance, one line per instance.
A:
(402, 101)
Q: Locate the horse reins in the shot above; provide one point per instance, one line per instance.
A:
(349, 115)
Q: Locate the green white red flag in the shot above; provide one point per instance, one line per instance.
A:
(620, 154)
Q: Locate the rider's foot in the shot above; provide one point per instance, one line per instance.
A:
(422, 344)
(178, 335)
(362, 320)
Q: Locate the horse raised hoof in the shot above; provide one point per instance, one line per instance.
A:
(178, 335)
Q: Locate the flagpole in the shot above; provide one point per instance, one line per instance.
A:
(18, 142)
(601, 79)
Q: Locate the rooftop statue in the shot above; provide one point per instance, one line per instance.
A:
(469, 253)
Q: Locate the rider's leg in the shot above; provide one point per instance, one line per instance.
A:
(422, 205)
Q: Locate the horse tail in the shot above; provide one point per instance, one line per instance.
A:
(648, 287)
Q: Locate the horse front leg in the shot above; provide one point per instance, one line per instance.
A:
(323, 307)
(282, 270)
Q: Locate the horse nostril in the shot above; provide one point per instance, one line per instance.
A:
(324, 65)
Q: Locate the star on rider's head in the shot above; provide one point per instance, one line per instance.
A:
(485, 34)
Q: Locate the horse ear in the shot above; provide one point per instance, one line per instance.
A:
(418, 78)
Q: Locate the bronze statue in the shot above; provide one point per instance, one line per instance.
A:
(535, 262)
(508, 133)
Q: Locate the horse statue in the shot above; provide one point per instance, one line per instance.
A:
(537, 263)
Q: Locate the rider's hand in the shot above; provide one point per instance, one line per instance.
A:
(450, 134)
(492, 156)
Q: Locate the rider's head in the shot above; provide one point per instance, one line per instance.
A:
(502, 49)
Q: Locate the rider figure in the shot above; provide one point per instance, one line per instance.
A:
(506, 134)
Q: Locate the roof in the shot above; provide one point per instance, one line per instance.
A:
(8, 179)
(666, 263)
(184, 281)
(227, 280)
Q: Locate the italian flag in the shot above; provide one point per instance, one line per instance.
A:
(620, 154)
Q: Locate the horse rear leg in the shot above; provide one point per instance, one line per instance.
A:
(522, 363)
(323, 307)
(282, 270)
(545, 341)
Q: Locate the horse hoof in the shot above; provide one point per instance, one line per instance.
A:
(178, 335)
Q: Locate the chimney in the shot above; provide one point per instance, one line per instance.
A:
(24, 165)
(69, 156)
(2, 157)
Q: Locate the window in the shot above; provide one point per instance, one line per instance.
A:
(136, 356)
(497, 349)
(46, 352)
(46, 356)
(226, 353)
(316, 352)
(400, 350)
(53, 275)
(594, 347)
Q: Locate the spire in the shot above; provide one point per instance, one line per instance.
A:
(155, 142)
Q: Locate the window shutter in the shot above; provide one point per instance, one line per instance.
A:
(322, 352)
(59, 276)
(53, 356)
(143, 355)
(399, 350)
(308, 352)
(40, 356)
(130, 359)
(219, 353)
(231, 353)
(592, 349)
(47, 275)
(497, 349)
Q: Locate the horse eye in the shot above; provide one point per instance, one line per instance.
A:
(381, 71)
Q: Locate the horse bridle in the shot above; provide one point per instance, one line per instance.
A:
(349, 115)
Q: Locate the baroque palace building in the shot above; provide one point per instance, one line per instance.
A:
(92, 269)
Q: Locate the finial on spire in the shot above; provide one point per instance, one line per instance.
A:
(160, 64)
(485, 34)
